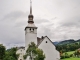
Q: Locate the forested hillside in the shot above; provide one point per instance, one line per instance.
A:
(67, 45)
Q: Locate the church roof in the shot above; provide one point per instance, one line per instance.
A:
(40, 41)
(21, 47)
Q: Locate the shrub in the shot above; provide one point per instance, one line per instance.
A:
(67, 56)
(62, 56)
(71, 55)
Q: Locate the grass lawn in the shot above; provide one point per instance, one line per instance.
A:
(71, 52)
(71, 59)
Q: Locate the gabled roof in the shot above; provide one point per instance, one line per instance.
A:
(39, 40)
(43, 39)
(21, 47)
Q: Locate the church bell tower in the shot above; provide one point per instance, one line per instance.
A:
(30, 29)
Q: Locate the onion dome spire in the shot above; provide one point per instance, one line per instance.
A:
(30, 17)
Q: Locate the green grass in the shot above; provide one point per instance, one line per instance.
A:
(71, 52)
(71, 59)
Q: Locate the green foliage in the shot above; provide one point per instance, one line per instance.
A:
(71, 55)
(25, 56)
(71, 58)
(9, 58)
(68, 47)
(2, 51)
(31, 48)
(34, 52)
(11, 54)
(77, 53)
(70, 52)
(40, 55)
(62, 56)
(65, 55)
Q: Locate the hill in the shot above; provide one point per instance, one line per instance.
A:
(67, 45)
(70, 41)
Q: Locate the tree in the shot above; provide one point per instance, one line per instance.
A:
(40, 55)
(2, 51)
(11, 54)
(34, 52)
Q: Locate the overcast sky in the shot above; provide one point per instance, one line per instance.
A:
(58, 19)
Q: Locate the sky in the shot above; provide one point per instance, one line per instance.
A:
(57, 19)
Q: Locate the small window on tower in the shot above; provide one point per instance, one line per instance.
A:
(30, 28)
(46, 41)
(33, 29)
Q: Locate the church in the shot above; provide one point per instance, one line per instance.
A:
(43, 43)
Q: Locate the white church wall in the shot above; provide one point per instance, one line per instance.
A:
(21, 52)
(57, 55)
(30, 37)
(48, 49)
(35, 31)
(28, 58)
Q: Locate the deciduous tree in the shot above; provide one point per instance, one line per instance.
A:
(34, 52)
(2, 51)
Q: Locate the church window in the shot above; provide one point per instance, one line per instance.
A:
(46, 41)
(30, 28)
(33, 29)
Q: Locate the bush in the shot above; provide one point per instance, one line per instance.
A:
(62, 56)
(67, 56)
(71, 55)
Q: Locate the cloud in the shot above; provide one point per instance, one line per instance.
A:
(71, 22)
(39, 20)
(10, 33)
(58, 19)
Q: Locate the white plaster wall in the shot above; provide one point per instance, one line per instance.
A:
(35, 31)
(30, 37)
(48, 49)
(57, 55)
(21, 52)
(28, 58)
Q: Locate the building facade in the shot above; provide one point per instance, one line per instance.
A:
(43, 43)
